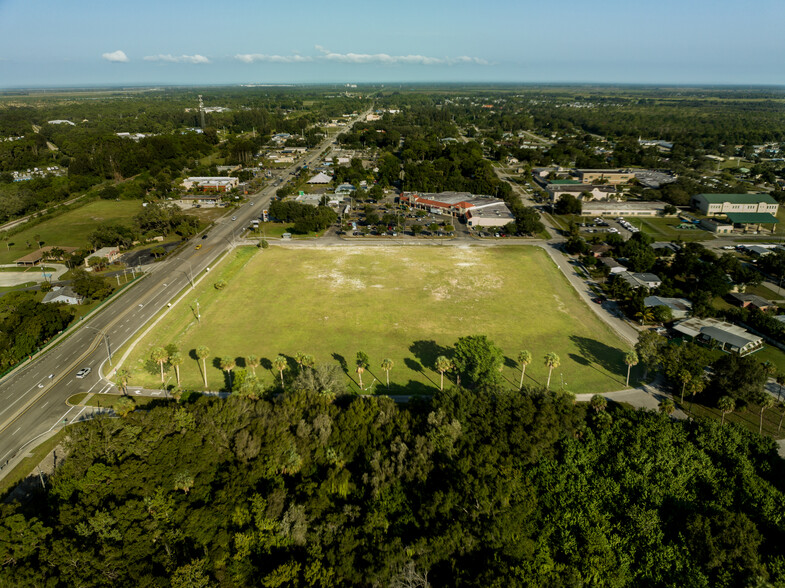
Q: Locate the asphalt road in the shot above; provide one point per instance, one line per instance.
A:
(33, 397)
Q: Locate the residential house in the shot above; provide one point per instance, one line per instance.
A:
(725, 336)
(62, 294)
(752, 301)
(680, 307)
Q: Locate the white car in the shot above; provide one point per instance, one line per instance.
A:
(83, 372)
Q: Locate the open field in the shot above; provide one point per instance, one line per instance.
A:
(664, 229)
(69, 229)
(404, 303)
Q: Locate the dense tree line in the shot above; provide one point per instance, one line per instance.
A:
(306, 218)
(481, 488)
(26, 324)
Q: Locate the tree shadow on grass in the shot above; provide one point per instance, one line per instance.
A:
(427, 352)
(342, 362)
(416, 366)
(510, 362)
(611, 359)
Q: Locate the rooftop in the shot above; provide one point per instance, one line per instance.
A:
(736, 198)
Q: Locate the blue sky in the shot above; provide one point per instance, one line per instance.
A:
(107, 42)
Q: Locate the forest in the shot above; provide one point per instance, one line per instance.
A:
(480, 487)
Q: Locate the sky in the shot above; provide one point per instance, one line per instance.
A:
(54, 43)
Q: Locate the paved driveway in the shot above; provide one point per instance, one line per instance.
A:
(33, 274)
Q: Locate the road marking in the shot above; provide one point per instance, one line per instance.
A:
(19, 398)
(44, 404)
(17, 430)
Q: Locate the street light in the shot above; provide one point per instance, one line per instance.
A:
(106, 341)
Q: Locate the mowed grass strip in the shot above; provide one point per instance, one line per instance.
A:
(69, 229)
(404, 303)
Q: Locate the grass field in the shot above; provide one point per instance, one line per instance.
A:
(405, 303)
(69, 229)
(664, 229)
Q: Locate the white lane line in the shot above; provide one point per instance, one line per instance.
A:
(21, 396)
(44, 404)
(17, 430)
(61, 419)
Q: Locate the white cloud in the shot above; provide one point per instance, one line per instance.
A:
(383, 58)
(199, 59)
(116, 56)
(395, 59)
(253, 57)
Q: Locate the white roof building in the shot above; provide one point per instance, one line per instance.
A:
(726, 336)
(320, 178)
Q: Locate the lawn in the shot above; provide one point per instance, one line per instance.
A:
(403, 303)
(69, 229)
(664, 229)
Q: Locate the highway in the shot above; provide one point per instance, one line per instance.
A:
(33, 398)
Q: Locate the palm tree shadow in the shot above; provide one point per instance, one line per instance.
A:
(416, 366)
(611, 359)
(510, 362)
(427, 351)
(342, 362)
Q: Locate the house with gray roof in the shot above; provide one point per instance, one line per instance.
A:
(680, 307)
(62, 294)
(725, 336)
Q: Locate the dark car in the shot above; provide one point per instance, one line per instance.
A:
(204, 236)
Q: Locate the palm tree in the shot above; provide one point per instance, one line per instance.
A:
(362, 365)
(159, 356)
(123, 375)
(524, 358)
(645, 316)
(280, 364)
(387, 365)
(631, 359)
(766, 402)
(252, 362)
(598, 403)
(726, 404)
(124, 406)
(551, 361)
(176, 360)
(684, 377)
(202, 352)
(309, 361)
(666, 406)
(227, 365)
(443, 364)
(299, 357)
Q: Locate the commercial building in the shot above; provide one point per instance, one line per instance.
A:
(50, 252)
(493, 215)
(210, 184)
(627, 208)
(717, 204)
(605, 176)
(725, 336)
(479, 211)
(585, 192)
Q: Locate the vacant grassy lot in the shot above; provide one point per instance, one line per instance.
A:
(403, 303)
(69, 229)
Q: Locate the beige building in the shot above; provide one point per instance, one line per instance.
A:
(716, 204)
(605, 176)
(210, 184)
(556, 191)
